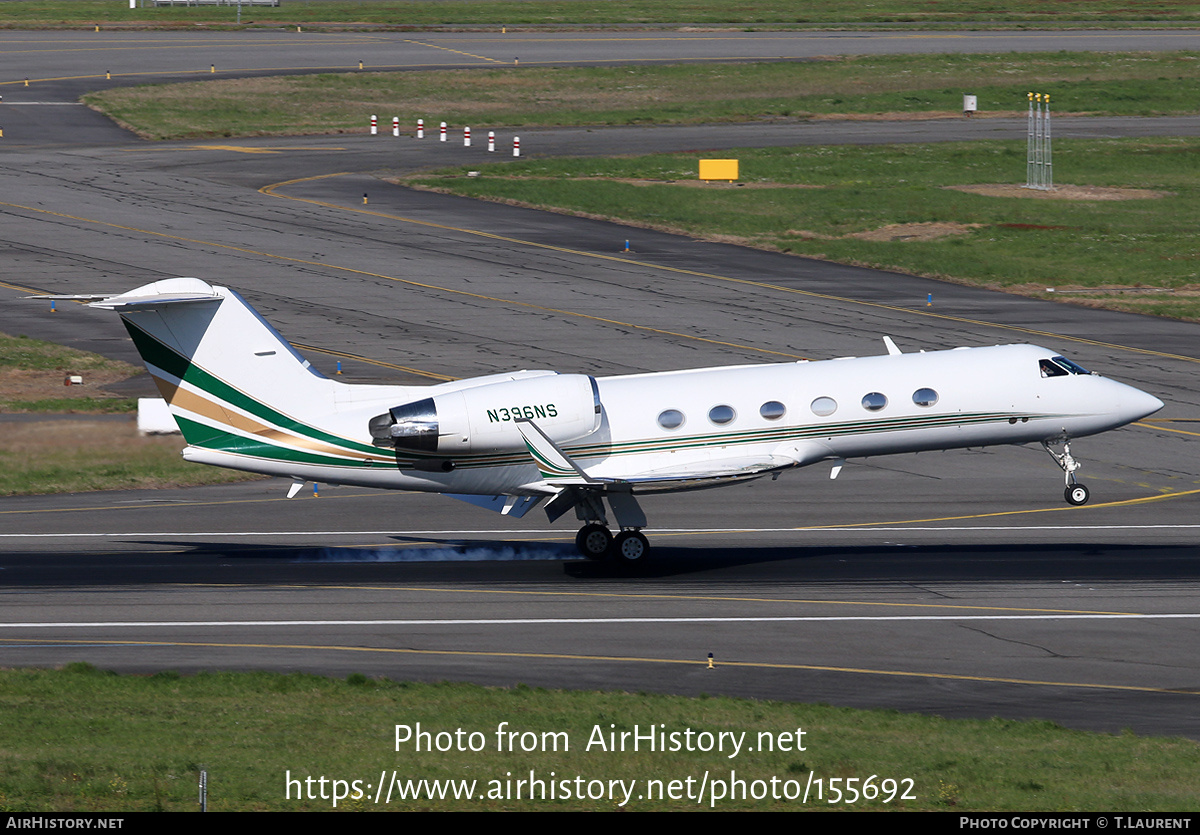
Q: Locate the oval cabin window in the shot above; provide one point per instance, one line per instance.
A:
(772, 410)
(824, 406)
(721, 415)
(874, 401)
(925, 397)
(671, 419)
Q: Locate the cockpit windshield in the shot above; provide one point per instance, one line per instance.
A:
(1060, 367)
(1073, 367)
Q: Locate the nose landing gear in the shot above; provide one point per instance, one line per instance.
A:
(1075, 493)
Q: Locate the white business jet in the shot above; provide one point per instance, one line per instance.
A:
(245, 399)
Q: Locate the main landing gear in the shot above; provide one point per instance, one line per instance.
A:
(596, 542)
(1075, 493)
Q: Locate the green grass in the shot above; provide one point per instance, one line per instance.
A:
(66, 456)
(83, 740)
(32, 373)
(568, 13)
(1096, 83)
(60, 456)
(38, 355)
(811, 200)
(75, 405)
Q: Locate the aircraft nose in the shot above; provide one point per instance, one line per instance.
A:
(1137, 404)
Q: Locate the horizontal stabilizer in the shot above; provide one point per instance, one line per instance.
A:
(168, 291)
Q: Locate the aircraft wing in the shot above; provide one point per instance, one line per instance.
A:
(512, 506)
(560, 470)
(713, 469)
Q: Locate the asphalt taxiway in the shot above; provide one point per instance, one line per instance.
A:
(955, 583)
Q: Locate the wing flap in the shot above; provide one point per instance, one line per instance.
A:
(512, 506)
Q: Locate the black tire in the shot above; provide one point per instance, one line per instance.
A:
(1077, 494)
(631, 547)
(594, 541)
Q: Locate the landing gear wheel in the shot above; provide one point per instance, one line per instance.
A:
(1077, 494)
(593, 541)
(631, 547)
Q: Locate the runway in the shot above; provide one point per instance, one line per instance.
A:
(952, 583)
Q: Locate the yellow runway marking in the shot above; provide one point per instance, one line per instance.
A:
(995, 514)
(628, 596)
(347, 355)
(1156, 423)
(241, 150)
(622, 659)
(272, 190)
(1122, 503)
(236, 72)
(20, 289)
(117, 44)
(171, 504)
(422, 285)
(252, 149)
(299, 346)
(455, 51)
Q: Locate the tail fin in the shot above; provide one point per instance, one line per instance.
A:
(218, 364)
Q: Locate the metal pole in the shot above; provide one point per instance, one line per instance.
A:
(1029, 172)
(1039, 173)
(1049, 157)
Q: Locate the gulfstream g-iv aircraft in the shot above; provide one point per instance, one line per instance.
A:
(245, 399)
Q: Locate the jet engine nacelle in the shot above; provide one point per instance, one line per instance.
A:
(483, 418)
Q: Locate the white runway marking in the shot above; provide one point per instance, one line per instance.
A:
(535, 621)
(565, 532)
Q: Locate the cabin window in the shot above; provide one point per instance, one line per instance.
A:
(824, 406)
(721, 415)
(1050, 369)
(874, 401)
(925, 397)
(671, 419)
(772, 410)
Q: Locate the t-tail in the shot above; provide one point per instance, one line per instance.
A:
(240, 393)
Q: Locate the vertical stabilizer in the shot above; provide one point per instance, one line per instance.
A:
(225, 373)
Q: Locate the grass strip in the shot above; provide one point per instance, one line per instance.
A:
(898, 208)
(570, 13)
(80, 739)
(46, 455)
(1139, 84)
(32, 372)
(71, 456)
